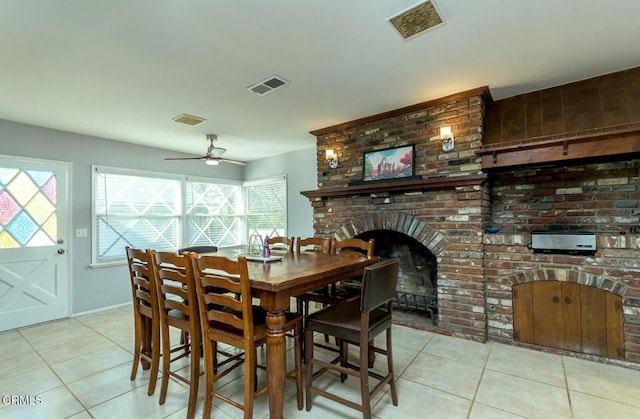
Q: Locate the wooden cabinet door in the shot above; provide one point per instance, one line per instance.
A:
(570, 316)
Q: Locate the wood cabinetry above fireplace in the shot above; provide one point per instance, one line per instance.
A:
(596, 119)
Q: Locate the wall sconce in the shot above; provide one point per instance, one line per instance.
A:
(332, 159)
(447, 138)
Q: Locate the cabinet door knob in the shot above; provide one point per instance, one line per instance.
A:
(567, 300)
(555, 299)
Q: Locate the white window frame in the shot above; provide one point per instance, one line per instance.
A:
(183, 179)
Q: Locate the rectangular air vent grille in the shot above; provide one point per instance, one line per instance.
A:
(189, 119)
(267, 86)
(416, 20)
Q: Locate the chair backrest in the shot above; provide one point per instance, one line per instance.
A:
(279, 242)
(313, 244)
(379, 284)
(143, 286)
(224, 294)
(353, 245)
(176, 286)
(198, 249)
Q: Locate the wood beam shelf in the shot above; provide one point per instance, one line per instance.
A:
(397, 186)
(601, 145)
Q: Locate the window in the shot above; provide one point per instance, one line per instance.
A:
(266, 206)
(167, 212)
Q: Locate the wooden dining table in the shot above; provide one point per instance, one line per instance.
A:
(275, 282)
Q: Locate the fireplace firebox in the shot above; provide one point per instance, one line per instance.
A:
(417, 280)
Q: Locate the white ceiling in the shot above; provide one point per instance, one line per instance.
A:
(122, 69)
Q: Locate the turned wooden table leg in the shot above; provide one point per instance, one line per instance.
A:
(276, 362)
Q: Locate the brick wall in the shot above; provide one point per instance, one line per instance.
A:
(601, 198)
(448, 222)
(476, 271)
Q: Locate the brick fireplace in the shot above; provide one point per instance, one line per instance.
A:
(448, 210)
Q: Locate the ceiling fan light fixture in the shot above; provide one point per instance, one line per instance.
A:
(217, 151)
(211, 162)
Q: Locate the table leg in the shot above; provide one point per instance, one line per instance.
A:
(276, 362)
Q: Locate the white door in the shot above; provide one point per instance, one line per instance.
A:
(34, 284)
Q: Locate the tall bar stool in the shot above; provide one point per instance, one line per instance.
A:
(227, 316)
(178, 306)
(146, 346)
(358, 323)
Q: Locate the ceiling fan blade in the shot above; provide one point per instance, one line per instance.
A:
(237, 163)
(186, 158)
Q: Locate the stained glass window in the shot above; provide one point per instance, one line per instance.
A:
(27, 208)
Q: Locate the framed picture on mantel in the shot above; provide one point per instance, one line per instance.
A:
(389, 164)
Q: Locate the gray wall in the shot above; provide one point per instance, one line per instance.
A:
(300, 168)
(96, 288)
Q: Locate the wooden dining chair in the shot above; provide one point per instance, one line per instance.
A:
(178, 306)
(281, 243)
(349, 288)
(313, 244)
(358, 323)
(228, 316)
(198, 249)
(146, 319)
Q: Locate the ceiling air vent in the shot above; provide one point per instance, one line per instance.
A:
(267, 86)
(189, 119)
(416, 20)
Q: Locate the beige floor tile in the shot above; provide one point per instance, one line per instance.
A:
(481, 411)
(32, 382)
(136, 404)
(55, 403)
(66, 335)
(13, 344)
(527, 363)
(418, 401)
(523, 397)
(585, 406)
(109, 384)
(443, 374)
(607, 381)
(469, 352)
(92, 363)
(21, 364)
(82, 346)
(49, 328)
(409, 338)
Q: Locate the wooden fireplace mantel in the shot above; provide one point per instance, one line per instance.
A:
(397, 186)
(601, 145)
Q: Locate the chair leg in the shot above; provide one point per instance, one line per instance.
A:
(308, 353)
(195, 376)
(364, 379)
(155, 358)
(210, 364)
(137, 343)
(249, 381)
(298, 361)
(166, 363)
(392, 383)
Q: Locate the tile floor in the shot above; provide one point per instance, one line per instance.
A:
(79, 368)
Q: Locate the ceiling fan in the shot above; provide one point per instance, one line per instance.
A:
(213, 156)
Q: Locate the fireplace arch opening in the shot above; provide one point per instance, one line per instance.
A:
(417, 279)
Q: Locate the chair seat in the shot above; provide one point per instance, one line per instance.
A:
(342, 320)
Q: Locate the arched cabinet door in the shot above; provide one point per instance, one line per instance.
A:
(570, 316)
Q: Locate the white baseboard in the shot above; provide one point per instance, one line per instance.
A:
(98, 310)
